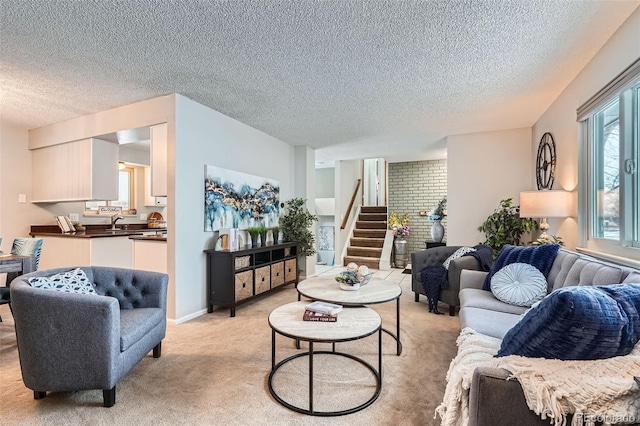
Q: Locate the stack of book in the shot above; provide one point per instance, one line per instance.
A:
(321, 311)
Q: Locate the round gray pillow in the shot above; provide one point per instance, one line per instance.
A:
(519, 284)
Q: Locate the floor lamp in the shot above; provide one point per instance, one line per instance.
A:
(544, 204)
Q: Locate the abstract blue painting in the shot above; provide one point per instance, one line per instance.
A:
(239, 200)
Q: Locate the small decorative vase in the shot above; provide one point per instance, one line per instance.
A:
(263, 239)
(275, 236)
(437, 231)
(254, 240)
(349, 287)
(401, 256)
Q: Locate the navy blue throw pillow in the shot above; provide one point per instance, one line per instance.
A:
(541, 257)
(579, 323)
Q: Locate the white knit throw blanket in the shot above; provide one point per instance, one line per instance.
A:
(592, 390)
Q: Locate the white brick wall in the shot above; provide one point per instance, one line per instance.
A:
(416, 186)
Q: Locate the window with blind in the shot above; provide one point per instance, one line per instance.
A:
(610, 180)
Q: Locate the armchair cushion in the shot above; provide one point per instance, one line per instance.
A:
(74, 281)
(136, 323)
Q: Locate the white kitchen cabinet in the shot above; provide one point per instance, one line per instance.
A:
(75, 171)
(150, 200)
(58, 252)
(159, 160)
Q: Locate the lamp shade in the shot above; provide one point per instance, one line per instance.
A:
(547, 203)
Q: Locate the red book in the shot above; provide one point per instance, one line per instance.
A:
(316, 316)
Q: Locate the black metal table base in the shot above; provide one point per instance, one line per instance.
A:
(310, 411)
(398, 342)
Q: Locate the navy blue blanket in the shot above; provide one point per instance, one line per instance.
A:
(436, 277)
(484, 256)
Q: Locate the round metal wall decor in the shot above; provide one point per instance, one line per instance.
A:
(546, 162)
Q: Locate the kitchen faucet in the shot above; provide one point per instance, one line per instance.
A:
(114, 219)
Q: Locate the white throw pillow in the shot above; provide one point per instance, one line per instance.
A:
(75, 281)
(458, 253)
(519, 284)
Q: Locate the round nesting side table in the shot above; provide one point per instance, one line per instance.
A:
(352, 324)
(374, 292)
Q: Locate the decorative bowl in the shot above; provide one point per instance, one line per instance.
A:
(351, 281)
(350, 287)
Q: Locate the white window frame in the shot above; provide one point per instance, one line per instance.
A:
(132, 195)
(625, 87)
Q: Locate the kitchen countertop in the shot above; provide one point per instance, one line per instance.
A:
(149, 237)
(86, 234)
(96, 231)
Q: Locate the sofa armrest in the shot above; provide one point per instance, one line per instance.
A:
(456, 267)
(81, 329)
(472, 279)
(494, 400)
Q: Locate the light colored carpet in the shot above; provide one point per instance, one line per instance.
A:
(214, 371)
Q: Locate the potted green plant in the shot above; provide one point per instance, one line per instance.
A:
(263, 235)
(296, 224)
(505, 226)
(254, 232)
(275, 230)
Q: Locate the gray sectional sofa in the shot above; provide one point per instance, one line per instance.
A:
(492, 399)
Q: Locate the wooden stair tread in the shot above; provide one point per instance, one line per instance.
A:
(379, 217)
(371, 262)
(369, 233)
(367, 242)
(374, 209)
(364, 251)
(370, 224)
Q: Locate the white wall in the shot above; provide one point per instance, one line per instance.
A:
(560, 119)
(15, 178)
(482, 169)
(325, 182)
(304, 186)
(204, 136)
(347, 173)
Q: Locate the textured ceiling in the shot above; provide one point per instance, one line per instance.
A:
(352, 79)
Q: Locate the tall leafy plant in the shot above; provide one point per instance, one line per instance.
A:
(296, 224)
(505, 226)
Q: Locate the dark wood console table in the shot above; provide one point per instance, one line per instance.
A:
(237, 276)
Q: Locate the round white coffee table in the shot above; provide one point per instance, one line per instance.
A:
(352, 324)
(375, 291)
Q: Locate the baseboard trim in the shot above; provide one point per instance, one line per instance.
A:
(187, 317)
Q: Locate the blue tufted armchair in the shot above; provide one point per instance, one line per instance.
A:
(68, 341)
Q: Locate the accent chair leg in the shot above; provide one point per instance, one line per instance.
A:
(109, 397)
(157, 350)
(452, 311)
(39, 394)
(417, 296)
